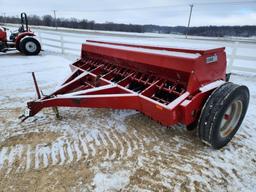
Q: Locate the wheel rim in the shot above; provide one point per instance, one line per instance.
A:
(31, 47)
(231, 118)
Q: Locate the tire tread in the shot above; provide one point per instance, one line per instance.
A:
(209, 113)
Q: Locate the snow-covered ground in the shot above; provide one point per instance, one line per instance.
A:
(109, 150)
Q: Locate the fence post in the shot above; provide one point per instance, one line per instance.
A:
(233, 56)
(62, 44)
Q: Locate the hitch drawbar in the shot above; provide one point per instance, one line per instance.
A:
(171, 85)
(36, 86)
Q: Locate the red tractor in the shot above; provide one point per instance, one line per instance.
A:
(22, 40)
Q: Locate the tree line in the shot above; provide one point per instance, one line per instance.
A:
(212, 31)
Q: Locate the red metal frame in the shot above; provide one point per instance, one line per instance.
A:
(168, 84)
(23, 34)
(3, 35)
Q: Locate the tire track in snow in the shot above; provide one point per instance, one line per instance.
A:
(113, 145)
(105, 144)
(108, 145)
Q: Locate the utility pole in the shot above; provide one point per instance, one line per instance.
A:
(4, 18)
(55, 19)
(190, 14)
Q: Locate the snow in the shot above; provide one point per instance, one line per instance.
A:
(151, 51)
(3, 156)
(212, 85)
(111, 182)
(47, 71)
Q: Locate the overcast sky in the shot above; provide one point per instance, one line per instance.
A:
(160, 12)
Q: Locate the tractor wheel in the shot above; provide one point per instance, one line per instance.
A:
(30, 46)
(223, 114)
(18, 47)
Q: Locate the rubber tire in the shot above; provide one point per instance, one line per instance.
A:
(213, 112)
(23, 43)
(18, 47)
